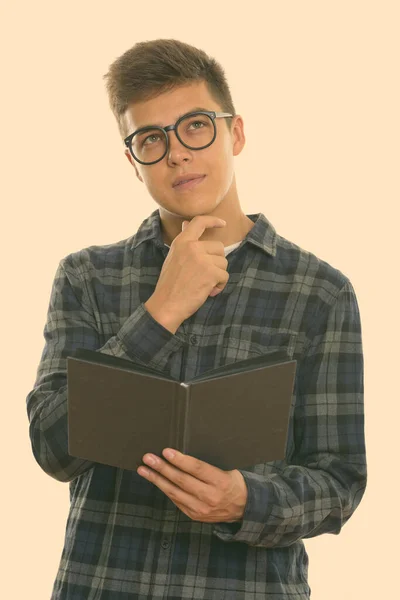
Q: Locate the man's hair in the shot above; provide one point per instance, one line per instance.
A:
(151, 68)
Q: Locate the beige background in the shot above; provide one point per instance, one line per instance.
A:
(317, 86)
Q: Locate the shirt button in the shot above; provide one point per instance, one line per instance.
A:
(165, 544)
(193, 340)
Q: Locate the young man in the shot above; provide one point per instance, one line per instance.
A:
(185, 294)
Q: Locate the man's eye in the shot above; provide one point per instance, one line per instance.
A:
(197, 123)
(150, 136)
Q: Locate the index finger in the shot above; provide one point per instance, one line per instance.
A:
(198, 468)
(196, 227)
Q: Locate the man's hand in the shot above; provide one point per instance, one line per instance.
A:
(200, 490)
(193, 270)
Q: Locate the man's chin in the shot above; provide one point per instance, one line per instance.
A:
(172, 212)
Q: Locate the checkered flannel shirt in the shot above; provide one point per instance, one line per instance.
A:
(125, 539)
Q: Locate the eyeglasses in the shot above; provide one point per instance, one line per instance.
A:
(195, 130)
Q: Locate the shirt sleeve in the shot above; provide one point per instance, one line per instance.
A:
(324, 483)
(71, 324)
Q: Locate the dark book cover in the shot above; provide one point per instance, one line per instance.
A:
(232, 417)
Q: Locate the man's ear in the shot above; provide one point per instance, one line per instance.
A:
(238, 137)
(129, 157)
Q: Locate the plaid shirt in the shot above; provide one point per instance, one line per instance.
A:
(125, 539)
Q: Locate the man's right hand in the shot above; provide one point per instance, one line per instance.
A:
(192, 271)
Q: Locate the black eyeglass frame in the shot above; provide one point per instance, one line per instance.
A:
(210, 113)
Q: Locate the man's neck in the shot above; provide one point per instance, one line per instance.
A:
(231, 234)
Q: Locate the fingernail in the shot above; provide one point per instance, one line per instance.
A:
(169, 454)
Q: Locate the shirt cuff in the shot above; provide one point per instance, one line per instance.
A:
(255, 515)
(146, 340)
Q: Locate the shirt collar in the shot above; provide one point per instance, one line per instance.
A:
(263, 234)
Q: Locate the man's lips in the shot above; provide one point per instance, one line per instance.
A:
(190, 184)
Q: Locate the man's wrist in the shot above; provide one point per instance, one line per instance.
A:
(166, 318)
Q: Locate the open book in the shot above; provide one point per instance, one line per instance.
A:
(232, 417)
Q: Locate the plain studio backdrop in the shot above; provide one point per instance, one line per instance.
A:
(317, 85)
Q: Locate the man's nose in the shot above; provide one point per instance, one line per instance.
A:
(176, 149)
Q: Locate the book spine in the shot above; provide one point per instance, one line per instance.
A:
(185, 395)
(178, 418)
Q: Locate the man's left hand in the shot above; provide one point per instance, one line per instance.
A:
(203, 492)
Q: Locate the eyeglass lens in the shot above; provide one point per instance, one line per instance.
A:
(196, 131)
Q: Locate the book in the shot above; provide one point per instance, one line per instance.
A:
(233, 416)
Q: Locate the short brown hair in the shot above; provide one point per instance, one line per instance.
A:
(151, 68)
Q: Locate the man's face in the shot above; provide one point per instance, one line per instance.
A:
(216, 161)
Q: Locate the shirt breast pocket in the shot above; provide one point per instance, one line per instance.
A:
(241, 342)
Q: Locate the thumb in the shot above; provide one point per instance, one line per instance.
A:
(184, 225)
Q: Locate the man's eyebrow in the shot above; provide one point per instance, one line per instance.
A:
(196, 108)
